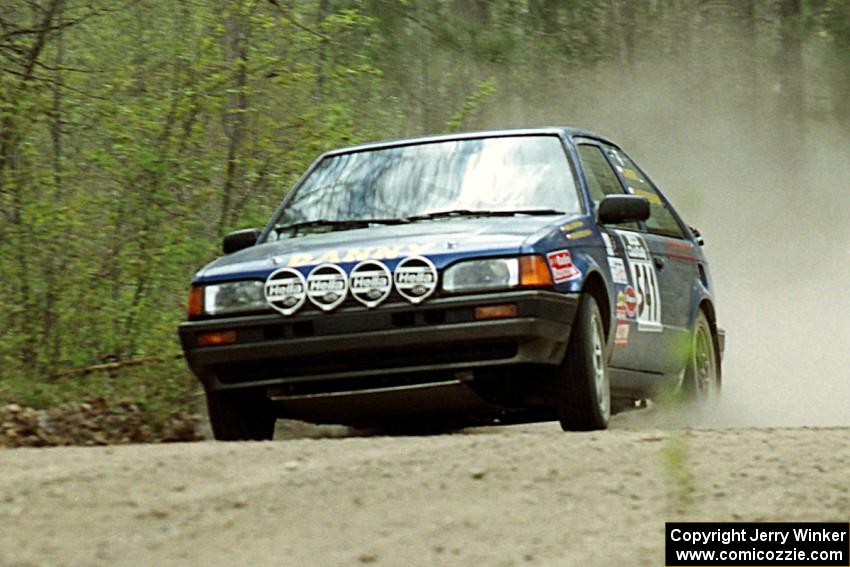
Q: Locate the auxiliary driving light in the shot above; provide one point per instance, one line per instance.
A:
(496, 311)
(216, 338)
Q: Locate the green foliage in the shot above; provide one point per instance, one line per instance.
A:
(681, 485)
(470, 106)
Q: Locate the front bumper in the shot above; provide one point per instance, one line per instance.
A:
(397, 347)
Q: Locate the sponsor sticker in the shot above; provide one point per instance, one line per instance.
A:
(618, 271)
(648, 296)
(579, 234)
(370, 283)
(609, 244)
(645, 282)
(631, 301)
(415, 278)
(650, 196)
(572, 226)
(285, 290)
(630, 173)
(561, 264)
(621, 335)
(576, 230)
(635, 246)
(356, 254)
(327, 286)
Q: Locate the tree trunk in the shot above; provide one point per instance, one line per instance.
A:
(790, 66)
(54, 266)
(750, 71)
(322, 13)
(789, 88)
(237, 105)
(629, 47)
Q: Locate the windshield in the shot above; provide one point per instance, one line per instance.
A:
(490, 174)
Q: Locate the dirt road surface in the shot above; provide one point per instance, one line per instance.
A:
(522, 495)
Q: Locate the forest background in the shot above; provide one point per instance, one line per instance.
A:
(134, 134)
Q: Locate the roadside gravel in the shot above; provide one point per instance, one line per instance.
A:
(523, 495)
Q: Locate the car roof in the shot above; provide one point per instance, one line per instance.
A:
(569, 132)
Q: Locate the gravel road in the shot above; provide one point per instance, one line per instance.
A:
(522, 495)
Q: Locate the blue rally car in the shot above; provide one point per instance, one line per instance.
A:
(509, 276)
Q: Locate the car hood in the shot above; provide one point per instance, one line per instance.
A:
(441, 240)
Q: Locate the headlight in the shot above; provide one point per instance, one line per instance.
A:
(231, 297)
(497, 273)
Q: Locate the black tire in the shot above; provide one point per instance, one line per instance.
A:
(582, 384)
(701, 381)
(237, 417)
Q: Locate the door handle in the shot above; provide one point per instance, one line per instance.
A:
(659, 262)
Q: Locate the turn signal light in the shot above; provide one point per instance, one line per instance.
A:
(496, 311)
(196, 301)
(533, 271)
(216, 338)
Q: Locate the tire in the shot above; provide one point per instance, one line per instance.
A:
(582, 384)
(237, 417)
(702, 372)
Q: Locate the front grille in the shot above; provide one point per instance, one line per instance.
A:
(363, 360)
(347, 323)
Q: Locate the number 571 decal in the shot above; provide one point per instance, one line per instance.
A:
(644, 280)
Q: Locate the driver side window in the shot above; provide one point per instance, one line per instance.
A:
(601, 179)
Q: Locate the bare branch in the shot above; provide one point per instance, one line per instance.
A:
(47, 29)
(40, 40)
(114, 365)
(61, 68)
(291, 17)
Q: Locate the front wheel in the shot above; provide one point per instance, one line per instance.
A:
(582, 385)
(235, 416)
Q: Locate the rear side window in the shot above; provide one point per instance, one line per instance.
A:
(661, 220)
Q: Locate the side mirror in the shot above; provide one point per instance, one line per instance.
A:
(616, 209)
(240, 239)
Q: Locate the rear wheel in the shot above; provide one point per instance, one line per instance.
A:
(702, 373)
(582, 385)
(235, 416)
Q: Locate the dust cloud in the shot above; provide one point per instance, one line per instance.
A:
(773, 204)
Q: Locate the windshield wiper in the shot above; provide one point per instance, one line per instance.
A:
(483, 213)
(333, 225)
(349, 224)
